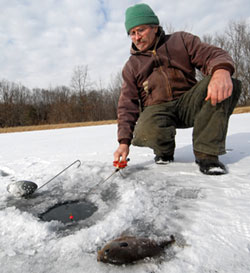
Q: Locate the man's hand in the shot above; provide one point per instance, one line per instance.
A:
(220, 86)
(122, 152)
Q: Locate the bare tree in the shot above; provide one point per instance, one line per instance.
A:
(238, 34)
(115, 90)
(236, 40)
(80, 80)
(169, 28)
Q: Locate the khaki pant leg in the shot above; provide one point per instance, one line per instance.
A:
(156, 129)
(210, 122)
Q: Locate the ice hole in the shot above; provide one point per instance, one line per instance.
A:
(70, 211)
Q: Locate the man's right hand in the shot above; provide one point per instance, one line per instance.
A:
(121, 153)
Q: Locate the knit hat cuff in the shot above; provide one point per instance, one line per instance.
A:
(141, 20)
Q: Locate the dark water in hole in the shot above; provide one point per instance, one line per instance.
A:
(70, 211)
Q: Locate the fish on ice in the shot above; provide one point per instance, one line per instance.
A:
(128, 249)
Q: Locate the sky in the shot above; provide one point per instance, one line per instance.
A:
(41, 42)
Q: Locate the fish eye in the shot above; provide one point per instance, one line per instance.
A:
(106, 251)
(123, 244)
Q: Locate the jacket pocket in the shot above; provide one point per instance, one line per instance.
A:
(156, 88)
(177, 80)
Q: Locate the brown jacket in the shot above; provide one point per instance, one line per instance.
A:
(163, 74)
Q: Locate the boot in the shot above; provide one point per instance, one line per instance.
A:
(209, 164)
(164, 159)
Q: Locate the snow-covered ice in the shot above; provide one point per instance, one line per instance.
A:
(209, 215)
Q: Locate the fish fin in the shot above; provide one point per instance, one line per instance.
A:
(125, 233)
(167, 243)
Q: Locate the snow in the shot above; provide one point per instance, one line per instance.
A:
(209, 215)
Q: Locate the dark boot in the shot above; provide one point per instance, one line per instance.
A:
(209, 164)
(164, 159)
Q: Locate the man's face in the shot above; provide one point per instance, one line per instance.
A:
(143, 36)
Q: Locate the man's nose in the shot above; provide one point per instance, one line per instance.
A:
(138, 36)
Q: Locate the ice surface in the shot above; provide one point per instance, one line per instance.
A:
(209, 215)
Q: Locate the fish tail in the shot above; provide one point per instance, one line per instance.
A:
(167, 243)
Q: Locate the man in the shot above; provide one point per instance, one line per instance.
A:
(160, 93)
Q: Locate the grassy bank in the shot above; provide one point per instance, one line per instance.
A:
(240, 110)
(54, 126)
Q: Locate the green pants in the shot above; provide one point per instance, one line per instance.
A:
(156, 126)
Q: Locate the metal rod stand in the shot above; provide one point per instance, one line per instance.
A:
(61, 173)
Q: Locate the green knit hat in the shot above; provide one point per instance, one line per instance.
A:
(140, 14)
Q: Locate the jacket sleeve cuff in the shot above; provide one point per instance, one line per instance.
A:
(125, 141)
(227, 67)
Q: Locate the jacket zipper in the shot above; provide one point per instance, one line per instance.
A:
(168, 87)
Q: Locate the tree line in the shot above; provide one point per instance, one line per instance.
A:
(79, 102)
(236, 41)
(20, 106)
